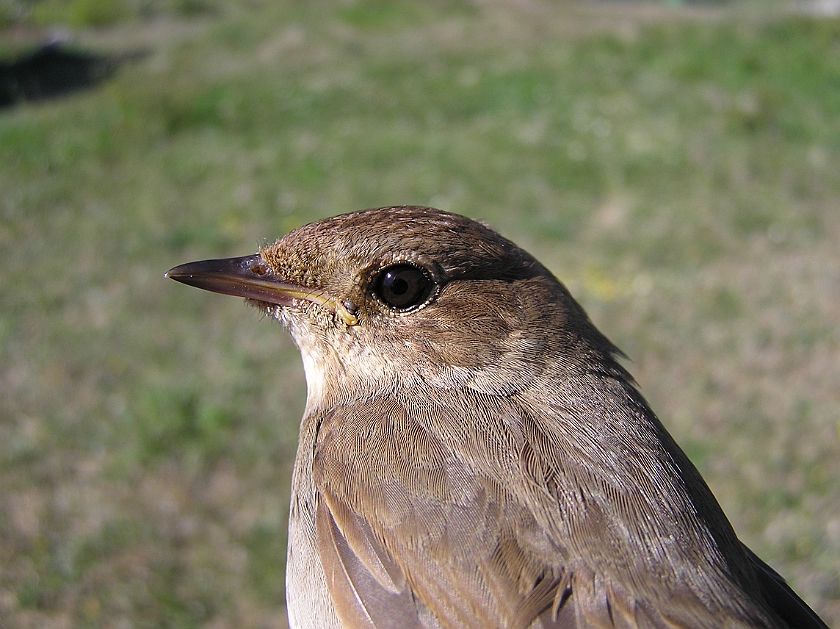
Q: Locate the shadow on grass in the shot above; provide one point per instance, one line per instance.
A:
(53, 70)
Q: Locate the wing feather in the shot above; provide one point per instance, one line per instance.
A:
(442, 525)
(364, 593)
(782, 598)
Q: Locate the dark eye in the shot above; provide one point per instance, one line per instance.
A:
(402, 286)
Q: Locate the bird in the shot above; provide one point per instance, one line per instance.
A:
(472, 452)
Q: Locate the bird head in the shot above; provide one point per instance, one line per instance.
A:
(405, 294)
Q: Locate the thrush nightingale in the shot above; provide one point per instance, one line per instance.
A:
(472, 454)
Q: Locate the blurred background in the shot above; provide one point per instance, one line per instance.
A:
(676, 165)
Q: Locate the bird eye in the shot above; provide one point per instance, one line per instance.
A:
(402, 286)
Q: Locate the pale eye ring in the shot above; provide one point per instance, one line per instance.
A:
(403, 286)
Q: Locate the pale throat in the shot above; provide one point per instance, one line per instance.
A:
(314, 367)
(340, 365)
(316, 378)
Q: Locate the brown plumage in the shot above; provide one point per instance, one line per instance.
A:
(472, 455)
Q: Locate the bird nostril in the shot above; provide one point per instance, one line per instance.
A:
(258, 268)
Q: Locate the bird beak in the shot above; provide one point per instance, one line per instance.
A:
(251, 277)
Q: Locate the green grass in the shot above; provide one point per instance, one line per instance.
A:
(675, 167)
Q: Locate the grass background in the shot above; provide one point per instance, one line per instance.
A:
(675, 166)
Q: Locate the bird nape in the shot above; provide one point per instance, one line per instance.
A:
(471, 453)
